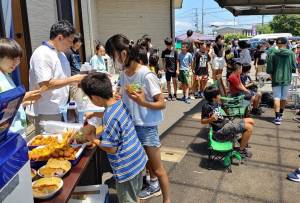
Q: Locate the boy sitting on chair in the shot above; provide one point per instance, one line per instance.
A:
(223, 128)
(237, 88)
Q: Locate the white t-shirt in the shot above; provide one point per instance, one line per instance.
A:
(47, 63)
(150, 84)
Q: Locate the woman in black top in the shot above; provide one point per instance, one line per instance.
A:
(218, 60)
(260, 60)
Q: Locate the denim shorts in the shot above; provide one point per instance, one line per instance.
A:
(280, 92)
(148, 135)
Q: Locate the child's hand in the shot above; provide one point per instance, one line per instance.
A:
(138, 97)
(89, 132)
(214, 117)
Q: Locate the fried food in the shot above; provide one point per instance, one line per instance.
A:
(51, 172)
(55, 167)
(134, 87)
(54, 150)
(33, 173)
(45, 186)
(44, 140)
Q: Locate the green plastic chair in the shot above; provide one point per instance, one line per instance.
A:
(221, 151)
(236, 106)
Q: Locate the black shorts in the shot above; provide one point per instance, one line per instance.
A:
(201, 71)
(170, 75)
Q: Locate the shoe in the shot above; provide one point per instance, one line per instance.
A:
(255, 112)
(295, 176)
(182, 98)
(150, 192)
(298, 113)
(192, 97)
(169, 98)
(245, 153)
(277, 121)
(174, 98)
(188, 100)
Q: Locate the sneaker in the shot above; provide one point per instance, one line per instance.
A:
(277, 121)
(174, 98)
(255, 112)
(150, 192)
(192, 97)
(169, 98)
(182, 98)
(188, 100)
(245, 153)
(295, 176)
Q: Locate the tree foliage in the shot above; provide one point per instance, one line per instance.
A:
(230, 36)
(286, 23)
(264, 29)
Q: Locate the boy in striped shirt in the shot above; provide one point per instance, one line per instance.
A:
(119, 139)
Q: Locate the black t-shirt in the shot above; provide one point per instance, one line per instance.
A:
(171, 57)
(209, 109)
(218, 49)
(74, 60)
(201, 60)
(260, 57)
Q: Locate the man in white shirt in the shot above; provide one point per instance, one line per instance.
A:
(50, 72)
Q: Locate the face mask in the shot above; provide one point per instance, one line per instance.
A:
(119, 66)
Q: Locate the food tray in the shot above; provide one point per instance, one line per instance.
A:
(78, 155)
(49, 195)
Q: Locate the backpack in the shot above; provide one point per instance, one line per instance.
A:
(267, 99)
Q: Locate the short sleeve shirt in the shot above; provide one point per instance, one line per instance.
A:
(209, 109)
(47, 63)
(234, 81)
(130, 158)
(185, 60)
(171, 57)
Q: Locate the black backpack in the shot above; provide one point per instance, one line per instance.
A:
(267, 99)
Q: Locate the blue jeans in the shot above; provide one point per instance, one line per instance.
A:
(280, 92)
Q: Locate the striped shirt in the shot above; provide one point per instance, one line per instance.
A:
(130, 158)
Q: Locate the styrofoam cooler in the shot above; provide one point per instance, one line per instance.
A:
(102, 195)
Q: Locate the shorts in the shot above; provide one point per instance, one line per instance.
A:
(170, 75)
(218, 63)
(280, 92)
(201, 71)
(261, 68)
(128, 191)
(231, 130)
(148, 135)
(184, 76)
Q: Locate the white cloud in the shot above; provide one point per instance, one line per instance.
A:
(223, 23)
(183, 26)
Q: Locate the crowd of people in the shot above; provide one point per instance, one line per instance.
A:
(131, 118)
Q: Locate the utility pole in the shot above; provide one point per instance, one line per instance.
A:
(202, 20)
(196, 22)
(262, 20)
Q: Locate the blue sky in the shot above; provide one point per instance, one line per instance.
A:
(213, 14)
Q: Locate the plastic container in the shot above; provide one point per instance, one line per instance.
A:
(91, 193)
(85, 68)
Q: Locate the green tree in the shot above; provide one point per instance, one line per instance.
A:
(264, 29)
(286, 23)
(230, 36)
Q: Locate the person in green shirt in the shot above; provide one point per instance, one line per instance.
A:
(280, 65)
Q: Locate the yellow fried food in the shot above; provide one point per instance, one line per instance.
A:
(44, 140)
(45, 186)
(51, 172)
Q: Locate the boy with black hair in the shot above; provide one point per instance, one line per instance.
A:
(280, 65)
(119, 139)
(223, 128)
(170, 63)
(185, 63)
(237, 88)
(200, 68)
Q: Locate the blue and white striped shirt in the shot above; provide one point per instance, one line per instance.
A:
(130, 158)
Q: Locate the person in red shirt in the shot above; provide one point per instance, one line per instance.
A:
(237, 88)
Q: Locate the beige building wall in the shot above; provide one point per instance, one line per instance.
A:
(133, 18)
(41, 16)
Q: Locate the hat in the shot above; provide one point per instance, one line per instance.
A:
(281, 40)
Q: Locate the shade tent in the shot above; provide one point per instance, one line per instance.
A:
(195, 36)
(260, 7)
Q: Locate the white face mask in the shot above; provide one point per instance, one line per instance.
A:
(119, 66)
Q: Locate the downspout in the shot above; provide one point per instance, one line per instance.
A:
(90, 26)
(172, 18)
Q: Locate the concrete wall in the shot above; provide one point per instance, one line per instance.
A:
(41, 16)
